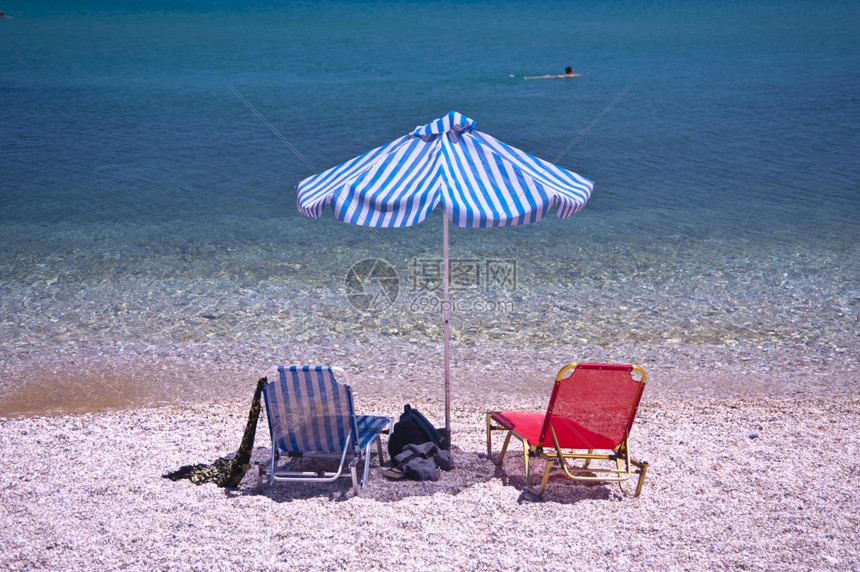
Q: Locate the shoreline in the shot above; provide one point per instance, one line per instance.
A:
(121, 315)
(716, 497)
(78, 382)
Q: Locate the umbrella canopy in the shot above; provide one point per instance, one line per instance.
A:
(479, 181)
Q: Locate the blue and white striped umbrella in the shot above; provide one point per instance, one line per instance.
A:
(478, 180)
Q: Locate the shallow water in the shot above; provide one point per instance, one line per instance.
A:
(151, 250)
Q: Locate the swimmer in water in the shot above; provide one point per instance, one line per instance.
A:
(568, 72)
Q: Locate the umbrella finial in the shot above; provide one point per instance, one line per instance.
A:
(453, 124)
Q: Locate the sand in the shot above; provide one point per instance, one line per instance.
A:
(739, 483)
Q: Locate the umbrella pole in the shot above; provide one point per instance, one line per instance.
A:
(446, 317)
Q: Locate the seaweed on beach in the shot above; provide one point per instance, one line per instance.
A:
(226, 472)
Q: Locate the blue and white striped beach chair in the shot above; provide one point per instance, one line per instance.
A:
(310, 414)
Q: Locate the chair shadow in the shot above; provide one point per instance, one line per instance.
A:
(560, 489)
(471, 468)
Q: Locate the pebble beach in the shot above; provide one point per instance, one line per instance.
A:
(746, 484)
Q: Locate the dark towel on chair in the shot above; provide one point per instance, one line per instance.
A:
(424, 462)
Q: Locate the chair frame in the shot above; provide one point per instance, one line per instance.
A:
(560, 457)
(350, 446)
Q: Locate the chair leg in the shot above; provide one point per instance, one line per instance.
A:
(504, 450)
(257, 471)
(489, 437)
(366, 463)
(643, 468)
(379, 449)
(539, 492)
(353, 472)
(526, 467)
(527, 450)
(588, 461)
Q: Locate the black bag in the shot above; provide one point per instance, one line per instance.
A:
(412, 429)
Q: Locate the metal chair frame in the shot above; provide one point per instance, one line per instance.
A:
(349, 448)
(561, 457)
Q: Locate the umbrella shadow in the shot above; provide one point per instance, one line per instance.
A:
(471, 468)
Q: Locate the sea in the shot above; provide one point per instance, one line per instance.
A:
(151, 251)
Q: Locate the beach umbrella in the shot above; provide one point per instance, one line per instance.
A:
(477, 180)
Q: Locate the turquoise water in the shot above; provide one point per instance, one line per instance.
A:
(148, 221)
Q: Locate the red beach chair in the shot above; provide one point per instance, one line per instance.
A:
(589, 417)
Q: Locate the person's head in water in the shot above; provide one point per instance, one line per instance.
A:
(568, 70)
